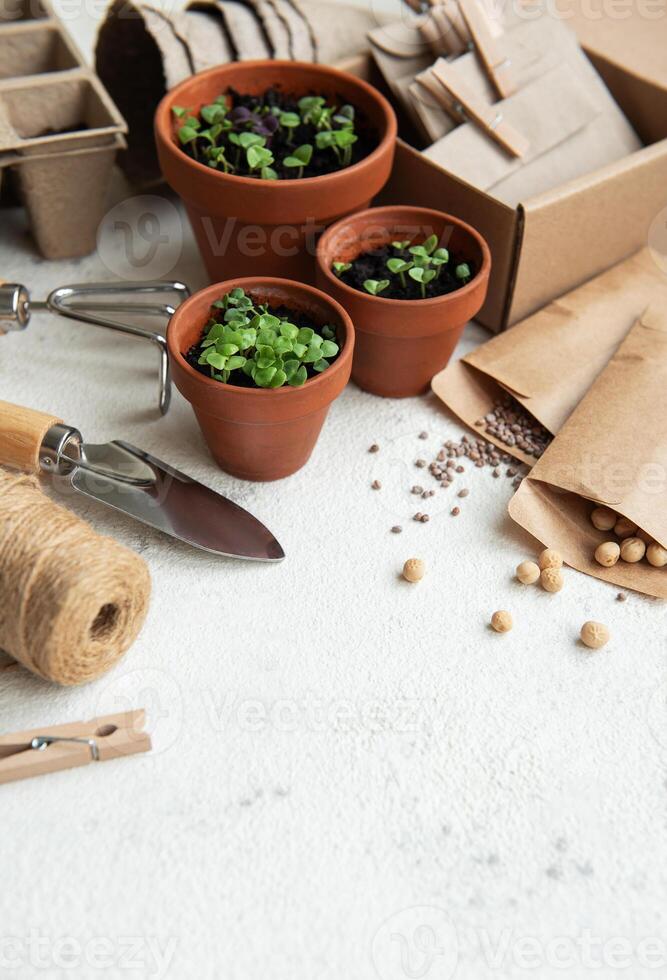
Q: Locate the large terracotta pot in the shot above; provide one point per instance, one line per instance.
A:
(401, 344)
(244, 223)
(260, 433)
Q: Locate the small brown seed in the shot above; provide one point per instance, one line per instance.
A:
(608, 553)
(603, 518)
(420, 463)
(528, 572)
(550, 558)
(463, 493)
(374, 448)
(423, 435)
(455, 511)
(656, 555)
(551, 579)
(417, 489)
(413, 570)
(621, 597)
(594, 635)
(632, 549)
(460, 469)
(425, 518)
(396, 529)
(376, 485)
(418, 516)
(623, 528)
(502, 621)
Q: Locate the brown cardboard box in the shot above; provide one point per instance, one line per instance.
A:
(550, 243)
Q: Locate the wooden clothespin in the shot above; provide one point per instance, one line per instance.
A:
(440, 33)
(54, 747)
(489, 50)
(458, 97)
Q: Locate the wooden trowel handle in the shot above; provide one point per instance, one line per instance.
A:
(22, 432)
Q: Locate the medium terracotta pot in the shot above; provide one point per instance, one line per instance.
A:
(260, 433)
(401, 344)
(242, 223)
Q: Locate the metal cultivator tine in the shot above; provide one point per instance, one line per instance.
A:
(72, 302)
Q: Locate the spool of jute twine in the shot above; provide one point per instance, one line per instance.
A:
(71, 601)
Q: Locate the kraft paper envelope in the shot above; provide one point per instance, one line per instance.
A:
(539, 113)
(612, 451)
(400, 53)
(569, 130)
(549, 361)
(533, 48)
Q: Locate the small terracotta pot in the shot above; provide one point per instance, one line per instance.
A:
(401, 344)
(260, 433)
(243, 222)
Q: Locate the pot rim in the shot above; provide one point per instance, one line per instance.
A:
(163, 124)
(218, 289)
(404, 209)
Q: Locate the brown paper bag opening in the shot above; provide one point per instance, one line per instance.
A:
(611, 452)
(549, 361)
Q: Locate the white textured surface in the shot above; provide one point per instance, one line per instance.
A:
(334, 747)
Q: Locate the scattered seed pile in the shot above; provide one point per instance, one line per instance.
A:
(510, 424)
(448, 466)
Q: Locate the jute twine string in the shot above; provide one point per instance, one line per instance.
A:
(71, 601)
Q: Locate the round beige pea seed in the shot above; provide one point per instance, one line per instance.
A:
(607, 554)
(549, 559)
(656, 555)
(527, 572)
(413, 570)
(623, 528)
(551, 579)
(603, 518)
(501, 621)
(594, 635)
(632, 549)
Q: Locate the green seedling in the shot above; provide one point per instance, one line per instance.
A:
(299, 159)
(400, 246)
(398, 267)
(289, 121)
(340, 141)
(341, 267)
(222, 134)
(463, 272)
(271, 351)
(376, 286)
(423, 277)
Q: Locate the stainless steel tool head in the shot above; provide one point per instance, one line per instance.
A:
(155, 493)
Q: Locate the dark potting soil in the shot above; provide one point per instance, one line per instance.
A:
(322, 161)
(298, 319)
(373, 265)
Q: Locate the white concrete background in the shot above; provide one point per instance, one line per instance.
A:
(352, 778)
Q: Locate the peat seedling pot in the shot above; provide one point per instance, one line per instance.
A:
(242, 222)
(260, 433)
(402, 343)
